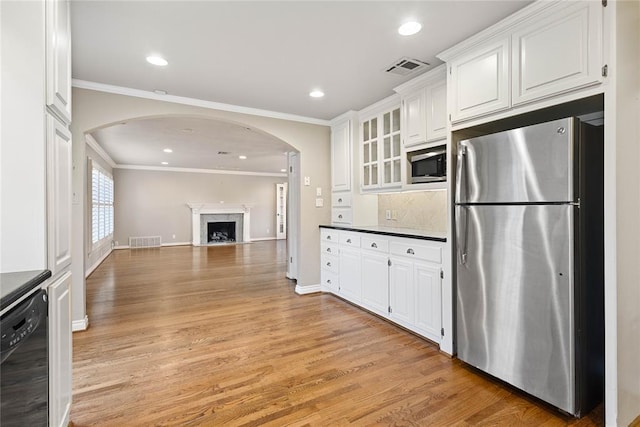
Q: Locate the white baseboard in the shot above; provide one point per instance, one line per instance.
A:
(97, 263)
(80, 325)
(260, 239)
(309, 289)
(162, 245)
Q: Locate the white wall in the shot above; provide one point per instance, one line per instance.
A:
(23, 239)
(154, 203)
(93, 109)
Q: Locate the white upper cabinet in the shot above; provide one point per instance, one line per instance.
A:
(59, 194)
(436, 97)
(424, 108)
(560, 51)
(480, 81)
(58, 53)
(415, 118)
(341, 156)
(391, 148)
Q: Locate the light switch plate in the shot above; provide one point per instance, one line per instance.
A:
(307, 180)
(319, 191)
(319, 203)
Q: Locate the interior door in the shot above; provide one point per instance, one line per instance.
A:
(281, 211)
(515, 296)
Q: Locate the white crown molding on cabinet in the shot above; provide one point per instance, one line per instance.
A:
(91, 142)
(382, 105)
(434, 75)
(101, 87)
(194, 170)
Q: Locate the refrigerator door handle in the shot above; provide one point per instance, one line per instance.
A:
(461, 176)
(462, 227)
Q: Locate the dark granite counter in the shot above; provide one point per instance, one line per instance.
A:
(13, 286)
(393, 231)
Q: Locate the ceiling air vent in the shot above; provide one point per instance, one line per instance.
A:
(405, 66)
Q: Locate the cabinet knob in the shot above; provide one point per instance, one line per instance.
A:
(340, 216)
(348, 240)
(410, 251)
(328, 249)
(328, 237)
(329, 281)
(329, 264)
(373, 245)
(340, 200)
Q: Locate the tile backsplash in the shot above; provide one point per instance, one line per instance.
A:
(425, 210)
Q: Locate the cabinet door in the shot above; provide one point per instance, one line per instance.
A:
(369, 138)
(375, 282)
(350, 275)
(58, 31)
(391, 148)
(559, 51)
(436, 97)
(341, 157)
(480, 81)
(428, 300)
(60, 351)
(59, 194)
(401, 292)
(414, 126)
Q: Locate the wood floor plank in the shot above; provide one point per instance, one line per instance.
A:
(216, 336)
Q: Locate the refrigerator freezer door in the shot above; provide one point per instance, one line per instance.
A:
(515, 296)
(531, 164)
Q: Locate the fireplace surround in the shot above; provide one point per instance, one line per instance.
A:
(204, 213)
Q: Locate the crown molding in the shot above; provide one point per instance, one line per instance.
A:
(120, 90)
(194, 170)
(91, 142)
(434, 75)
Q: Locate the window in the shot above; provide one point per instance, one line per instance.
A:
(102, 205)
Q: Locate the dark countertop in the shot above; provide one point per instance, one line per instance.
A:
(15, 285)
(412, 233)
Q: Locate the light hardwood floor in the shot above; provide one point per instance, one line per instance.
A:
(216, 336)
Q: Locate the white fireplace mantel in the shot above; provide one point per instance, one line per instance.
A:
(198, 209)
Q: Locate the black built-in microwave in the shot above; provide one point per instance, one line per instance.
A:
(429, 165)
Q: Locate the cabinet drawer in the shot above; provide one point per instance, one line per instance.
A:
(350, 239)
(375, 243)
(412, 249)
(329, 262)
(328, 235)
(329, 248)
(341, 215)
(341, 200)
(330, 281)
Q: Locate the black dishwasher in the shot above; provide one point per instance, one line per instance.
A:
(24, 364)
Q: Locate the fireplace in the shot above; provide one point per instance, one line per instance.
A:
(203, 214)
(221, 232)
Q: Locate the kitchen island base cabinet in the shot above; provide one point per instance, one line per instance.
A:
(60, 351)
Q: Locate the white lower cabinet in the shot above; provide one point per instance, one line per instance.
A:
(375, 282)
(60, 351)
(397, 278)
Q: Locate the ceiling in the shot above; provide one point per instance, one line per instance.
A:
(262, 54)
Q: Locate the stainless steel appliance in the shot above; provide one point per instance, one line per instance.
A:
(529, 242)
(429, 165)
(24, 368)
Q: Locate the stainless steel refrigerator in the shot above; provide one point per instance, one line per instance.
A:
(529, 242)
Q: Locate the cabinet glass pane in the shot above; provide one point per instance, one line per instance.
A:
(386, 173)
(387, 148)
(374, 174)
(386, 123)
(365, 131)
(366, 158)
(396, 120)
(396, 145)
(374, 151)
(396, 171)
(366, 180)
(374, 128)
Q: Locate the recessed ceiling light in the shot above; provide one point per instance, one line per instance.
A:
(168, 150)
(409, 28)
(164, 163)
(242, 157)
(157, 60)
(316, 94)
(283, 170)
